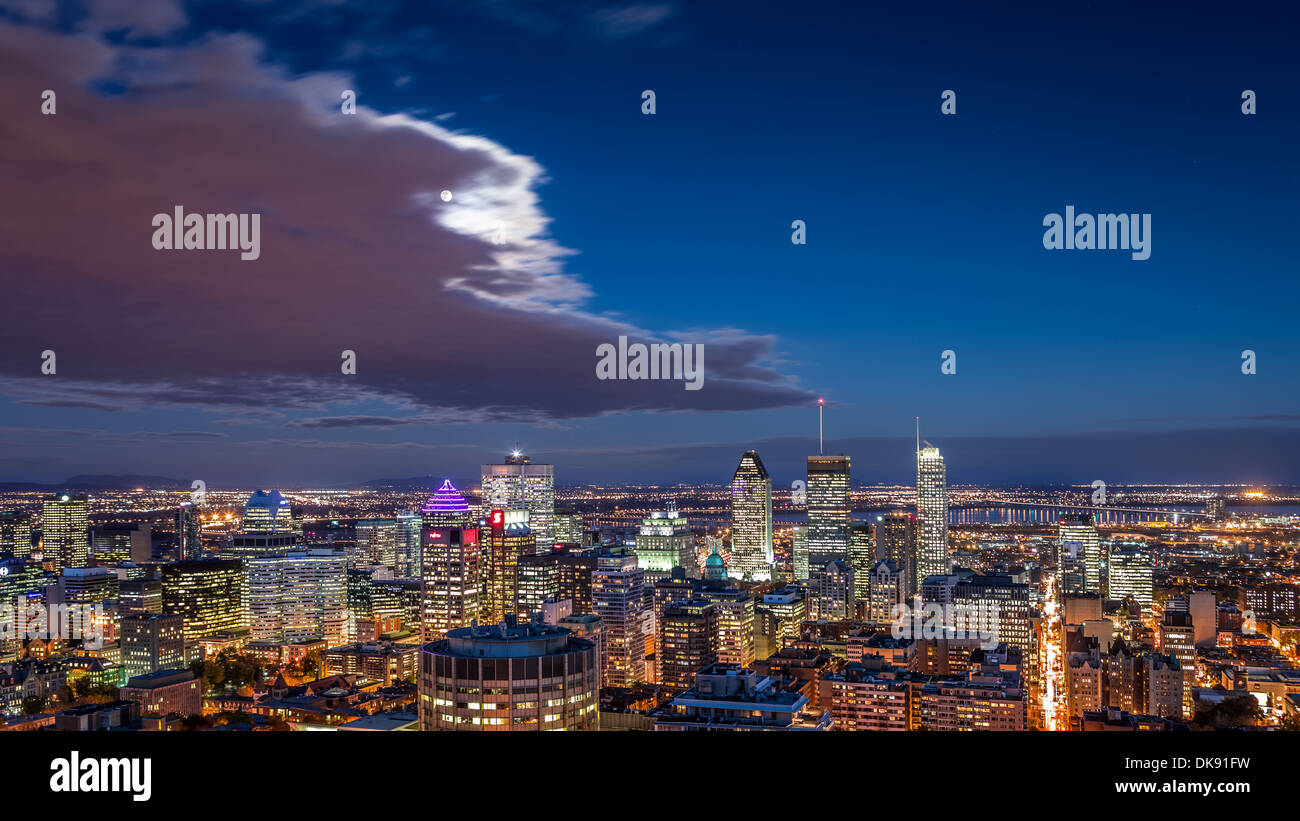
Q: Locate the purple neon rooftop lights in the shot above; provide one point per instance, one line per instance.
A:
(446, 499)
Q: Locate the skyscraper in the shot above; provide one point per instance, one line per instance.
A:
(1078, 538)
(450, 579)
(665, 542)
(862, 557)
(520, 485)
(15, 535)
(509, 538)
(376, 542)
(189, 545)
(799, 551)
(751, 520)
(690, 635)
(1131, 575)
(266, 528)
(896, 541)
(65, 531)
(618, 598)
(211, 595)
(266, 513)
(828, 509)
(299, 596)
(931, 515)
(446, 507)
(407, 549)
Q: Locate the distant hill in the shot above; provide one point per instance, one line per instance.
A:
(102, 482)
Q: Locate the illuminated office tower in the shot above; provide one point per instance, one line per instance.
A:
(1078, 538)
(509, 538)
(266, 528)
(450, 579)
(86, 586)
(446, 507)
(376, 542)
(887, 589)
(520, 485)
(15, 535)
(65, 531)
(211, 595)
(862, 557)
(1178, 639)
(690, 632)
(20, 578)
(189, 543)
(267, 513)
(799, 551)
(751, 521)
(737, 627)
(568, 527)
(576, 568)
(665, 542)
(830, 593)
(931, 556)
(115, 544)
(896, 541)
(151, 643)
(618, 598)
(140, 596)
(524, 676)
(828, 509)
(1131, 575)
(539, 582)
(300, 596)
(407, 544)
(675, 588)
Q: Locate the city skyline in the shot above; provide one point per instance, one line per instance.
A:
(923, 230)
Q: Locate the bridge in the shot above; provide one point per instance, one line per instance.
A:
(1079, 508)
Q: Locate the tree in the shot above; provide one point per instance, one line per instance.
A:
(1236, 710)
(33, 705)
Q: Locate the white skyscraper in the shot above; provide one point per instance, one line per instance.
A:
(931, 515)
(751, 521)
(299, 596)
(520, 485)
(1078, 538)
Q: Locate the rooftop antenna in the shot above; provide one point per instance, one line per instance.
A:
(918, 434)
(821, 403)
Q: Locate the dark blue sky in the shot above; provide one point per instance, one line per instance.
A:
(924, 234)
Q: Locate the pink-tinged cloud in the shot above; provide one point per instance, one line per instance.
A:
(456, 310)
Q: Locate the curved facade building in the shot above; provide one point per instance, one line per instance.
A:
(510, 676)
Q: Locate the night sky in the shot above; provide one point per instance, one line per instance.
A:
(924, 233)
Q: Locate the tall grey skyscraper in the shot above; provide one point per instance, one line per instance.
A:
(751, 520)
(520, 485)
(931, 515)
(828, 509)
